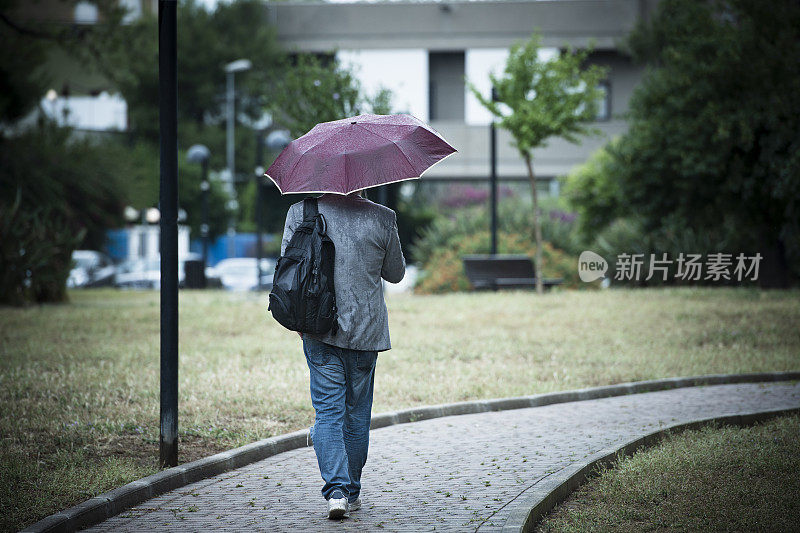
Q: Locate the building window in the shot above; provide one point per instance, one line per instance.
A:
(604, 105)
(85, 13)
(446, 93)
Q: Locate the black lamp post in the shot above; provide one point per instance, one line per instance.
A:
(199, 153)
(168, 204)
(276, 141)
(493, 176)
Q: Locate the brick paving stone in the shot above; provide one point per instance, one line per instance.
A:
(459, 473)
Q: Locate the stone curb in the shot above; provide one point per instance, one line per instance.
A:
(104, 506)
(545, 495)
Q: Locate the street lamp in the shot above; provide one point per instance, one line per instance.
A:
(240, 65)
(276, 141)
(199, 153)
(52, 96)
(493, 176)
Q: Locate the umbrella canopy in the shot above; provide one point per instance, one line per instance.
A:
(355, 153)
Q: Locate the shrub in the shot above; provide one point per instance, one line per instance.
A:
(444, 270)
(58, 192)
(514, 216)
(35, 253)
(410, 216)
(629, 236)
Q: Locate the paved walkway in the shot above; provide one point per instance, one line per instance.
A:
(459, 473)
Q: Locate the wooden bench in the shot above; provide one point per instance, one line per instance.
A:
(503, 272)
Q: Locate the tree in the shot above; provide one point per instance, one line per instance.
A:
(20, 87)
(538, 99)
(56, 193)
(207, 41)
(317, 90)
(712, 146)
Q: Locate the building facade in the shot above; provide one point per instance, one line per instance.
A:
(425, 50)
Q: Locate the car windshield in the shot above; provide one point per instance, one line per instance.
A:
(239, 270)
(140, 265)
(85, 261)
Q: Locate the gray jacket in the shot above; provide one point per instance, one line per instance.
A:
(367, 249)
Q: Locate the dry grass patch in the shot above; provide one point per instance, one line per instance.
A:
(79, 382)
(714, 479)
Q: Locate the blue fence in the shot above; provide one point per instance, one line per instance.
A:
(117, 244)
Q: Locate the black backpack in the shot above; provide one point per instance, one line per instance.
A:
(302, 297)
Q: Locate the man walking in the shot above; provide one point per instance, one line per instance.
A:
(342, 364)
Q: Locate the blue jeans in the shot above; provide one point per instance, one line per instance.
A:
(341, 391)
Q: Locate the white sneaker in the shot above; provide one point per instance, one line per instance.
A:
(356, 505)
(337, 506)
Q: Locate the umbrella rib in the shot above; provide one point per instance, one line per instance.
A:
(346, 177)
(394, 144)
(289, 174)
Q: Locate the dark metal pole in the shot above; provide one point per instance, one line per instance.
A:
(383, 195)
(205, 186)
(259, 166)
(168, 203)
(493, 176)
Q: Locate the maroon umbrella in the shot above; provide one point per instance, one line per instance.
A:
(347, 155)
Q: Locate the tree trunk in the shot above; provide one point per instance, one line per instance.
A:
(537, 228)
(775, 273)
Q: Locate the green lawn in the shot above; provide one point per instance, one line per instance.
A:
(714, 479)
(79, 382)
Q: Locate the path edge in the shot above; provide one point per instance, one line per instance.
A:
(111, 503)
(552, 490)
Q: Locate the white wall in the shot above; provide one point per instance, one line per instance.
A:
(403, 71)
(478, 63)
(144, 241)
(99, 113)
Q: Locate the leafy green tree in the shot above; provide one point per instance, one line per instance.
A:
(207, 41)
(316, 89)
(28, 43)
(56, 193)
(21, 84)
(542, 98)
(713, 146)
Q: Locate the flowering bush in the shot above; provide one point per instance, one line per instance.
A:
(468, 195)
(444, 270)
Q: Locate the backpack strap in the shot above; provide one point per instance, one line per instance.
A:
(310, 208)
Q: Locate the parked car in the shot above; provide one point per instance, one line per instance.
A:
(91, 269)
(267, 273)
(146, 273)
(139, 274)
(241, 273)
